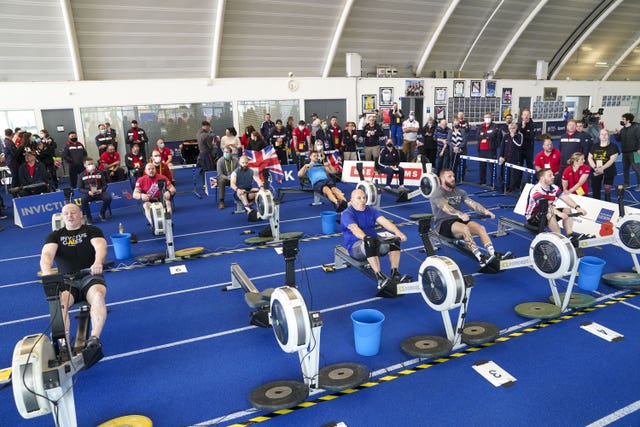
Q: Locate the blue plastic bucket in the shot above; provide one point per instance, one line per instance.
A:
(328, 222)
(122, 245)
(367, 330)
(590, 272)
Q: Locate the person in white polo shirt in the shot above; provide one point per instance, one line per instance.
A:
(410, 129)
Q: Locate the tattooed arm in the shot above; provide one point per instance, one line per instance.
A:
(477, 207)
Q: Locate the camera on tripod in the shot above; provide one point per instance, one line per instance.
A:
(590, 118)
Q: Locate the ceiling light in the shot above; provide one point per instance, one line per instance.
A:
(601, 64)
(586, 47)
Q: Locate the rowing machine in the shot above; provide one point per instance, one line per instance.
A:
(298, 330)
(162, 224)
(342, 259)
(444, 288)
(428, 183)
(259, 300)
(458, 244)
(43, 370)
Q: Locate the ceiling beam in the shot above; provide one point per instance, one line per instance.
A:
(486, 24)
(583, 37)
(621, 59)
(72, 39)
(217, 38)
(525, 24)
(333, 47)
(436, 34)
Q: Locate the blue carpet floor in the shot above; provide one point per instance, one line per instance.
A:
(179, 349)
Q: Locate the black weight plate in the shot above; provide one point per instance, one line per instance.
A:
(426, 346)
(577, 300)
(291, 235)
(622, 280)
(152, 258)
(476, 333)
(278, 395)
(257, 240)
(538, 310)
(342, 375)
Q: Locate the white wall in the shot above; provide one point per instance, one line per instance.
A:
(37, 96)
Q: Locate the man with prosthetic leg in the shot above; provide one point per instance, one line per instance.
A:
(451, 223)
(363, 243)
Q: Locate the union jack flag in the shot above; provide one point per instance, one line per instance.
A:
(267, 158)
(334, 158)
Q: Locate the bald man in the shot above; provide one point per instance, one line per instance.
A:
(358, 223)
(77, 247)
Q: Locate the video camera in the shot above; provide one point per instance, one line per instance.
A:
(590, 118)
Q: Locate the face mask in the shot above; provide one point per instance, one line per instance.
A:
(73, 139)
(227, 155)
(324, 126)
(91, 168)
(103, 131)
(487, 120)
(37, 140)
(161, 145)
(301, 127)
(412, 118)
(621, 122)
(157, 159)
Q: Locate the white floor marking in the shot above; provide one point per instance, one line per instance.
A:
(615, 416)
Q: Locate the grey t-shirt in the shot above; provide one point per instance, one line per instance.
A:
(440, 197)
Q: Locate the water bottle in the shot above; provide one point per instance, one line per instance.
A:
(120, 228)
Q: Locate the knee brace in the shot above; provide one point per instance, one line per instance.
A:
(394, 245)
(371, 246)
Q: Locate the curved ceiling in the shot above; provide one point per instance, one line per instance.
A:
(59, 40)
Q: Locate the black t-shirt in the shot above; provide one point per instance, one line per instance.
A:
(75, 250)
(604, 154)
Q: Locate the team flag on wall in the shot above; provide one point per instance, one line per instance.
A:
(267, 158)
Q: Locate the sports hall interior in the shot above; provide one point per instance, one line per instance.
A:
(179, 349)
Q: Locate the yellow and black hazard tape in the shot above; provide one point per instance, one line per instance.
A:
(434, 362)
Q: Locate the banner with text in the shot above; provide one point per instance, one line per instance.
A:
(35, 210)
(412, 173)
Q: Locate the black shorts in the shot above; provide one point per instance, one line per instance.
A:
(535, 221)
(317, 187)
(445, 227)
(79, 287)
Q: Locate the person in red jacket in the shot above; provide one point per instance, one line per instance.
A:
(549, 157)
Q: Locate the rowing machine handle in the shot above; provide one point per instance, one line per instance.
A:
(620, 194)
